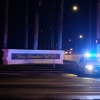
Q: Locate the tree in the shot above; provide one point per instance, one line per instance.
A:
(60, 24)
(6, 26)
(26, 38)
(36, 24)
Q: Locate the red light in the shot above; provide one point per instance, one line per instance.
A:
(98, 55)
(96, 41)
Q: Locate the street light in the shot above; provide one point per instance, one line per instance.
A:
(71, 49)
(69, 40)
(75, 8)
(80, 36)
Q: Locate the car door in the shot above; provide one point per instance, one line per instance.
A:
(81, 64)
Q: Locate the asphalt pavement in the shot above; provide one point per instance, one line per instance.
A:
(48, 86)
(47, 68)
(46, 82)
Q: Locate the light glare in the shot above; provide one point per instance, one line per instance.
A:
(87, 55)
(75, 8)
(69, 52)
(80, 36)
(89, 67)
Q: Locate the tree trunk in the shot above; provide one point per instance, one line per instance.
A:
(36, 26)
(26, 38)
(52, 27)
(6, 26)
(60, 23)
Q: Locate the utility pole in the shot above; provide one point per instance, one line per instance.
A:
(26, 38)
(6, 26)
(60, 23)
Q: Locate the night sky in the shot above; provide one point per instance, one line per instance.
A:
(74, 23)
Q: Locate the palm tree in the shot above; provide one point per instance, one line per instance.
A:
(6, 26)
(36, 25)
(60, 23)
(26, 38)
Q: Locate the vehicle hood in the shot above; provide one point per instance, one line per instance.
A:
(93, 63)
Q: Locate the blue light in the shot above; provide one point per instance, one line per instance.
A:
(94, 55)
(90, 55)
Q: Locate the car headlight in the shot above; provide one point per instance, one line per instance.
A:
(66, 52)
(89, 67)
(70, 52)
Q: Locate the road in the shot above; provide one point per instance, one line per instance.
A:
(73, 57)
(48, 86)
(48, 68)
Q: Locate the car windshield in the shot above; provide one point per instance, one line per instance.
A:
(92, 59)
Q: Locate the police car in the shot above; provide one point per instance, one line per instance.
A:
(88, 64)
